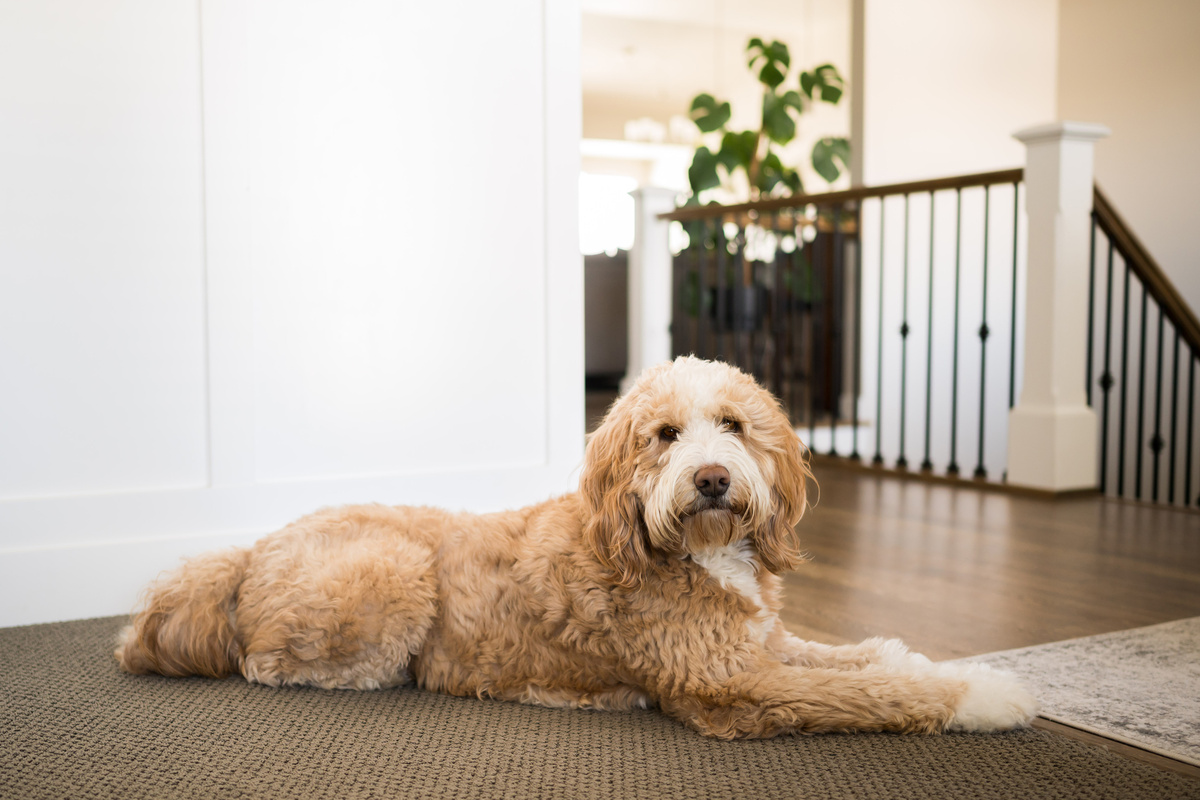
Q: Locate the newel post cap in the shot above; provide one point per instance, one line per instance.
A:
(1066, 131)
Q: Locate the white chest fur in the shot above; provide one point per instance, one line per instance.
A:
(733, 568)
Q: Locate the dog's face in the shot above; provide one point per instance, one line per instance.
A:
(695, 455)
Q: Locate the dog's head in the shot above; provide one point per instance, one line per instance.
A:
(695, 455)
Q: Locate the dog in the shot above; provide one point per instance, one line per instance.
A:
(656, 584)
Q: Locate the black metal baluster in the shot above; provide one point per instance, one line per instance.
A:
(1012, 346)
(1156, 443)
(813, 261)
(980, 471)
(795, 311)
(1187, 471)
(927, 463)
(854, 454)
(952, 467)
(1137, 485)
(776, 338)
(836, 301)
(737, 300)
(1106, 380)
(700, 256)
(1091, 327)
(878, 459)
(1122, 416)
(1174, 416)
(902, 462)
(721, 285)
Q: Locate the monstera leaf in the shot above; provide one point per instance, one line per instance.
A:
(708, 114)
(702, 174)
(737, 150)
(777, 120)
(827, 154)
(824, 80)
(774, 59)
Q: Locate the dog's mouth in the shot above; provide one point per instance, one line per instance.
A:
(712, 524)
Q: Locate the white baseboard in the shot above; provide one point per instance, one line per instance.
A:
(93, 580)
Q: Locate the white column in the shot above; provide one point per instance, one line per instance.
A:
(649, 282)
(1052, 433)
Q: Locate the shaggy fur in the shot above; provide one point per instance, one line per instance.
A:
(657, 583)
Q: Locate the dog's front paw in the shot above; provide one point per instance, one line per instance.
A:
(994, 700)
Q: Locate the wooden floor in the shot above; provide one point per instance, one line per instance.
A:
(958, 571)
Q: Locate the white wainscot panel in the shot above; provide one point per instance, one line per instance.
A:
(101, 248)
(398, 238)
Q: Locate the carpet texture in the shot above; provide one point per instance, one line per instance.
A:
(1140, 686)
(72, 726)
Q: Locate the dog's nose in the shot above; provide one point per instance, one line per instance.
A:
(712, 480)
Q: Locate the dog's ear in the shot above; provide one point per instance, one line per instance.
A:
(614, 529)
(776, 540)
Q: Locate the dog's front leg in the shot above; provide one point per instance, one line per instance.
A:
(797, 652)
(781, 699)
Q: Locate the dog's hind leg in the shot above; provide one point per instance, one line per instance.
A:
(185, 625)
(351, 618)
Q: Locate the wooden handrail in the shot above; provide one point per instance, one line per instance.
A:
(1147, 269)
(832, 198)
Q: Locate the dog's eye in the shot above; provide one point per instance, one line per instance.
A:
(731, 425)
(669, 433)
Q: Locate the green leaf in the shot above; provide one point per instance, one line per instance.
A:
(827, 154)
(708, 114)
(775, 61)
(702, 174)
(737, 150)
(770, 75)
(825, 79)
(807, 82)
(777, 119)
(792, 98)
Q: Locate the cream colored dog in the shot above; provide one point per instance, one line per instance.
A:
(655, 584)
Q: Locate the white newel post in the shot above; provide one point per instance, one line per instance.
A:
(649, 282)
(1052, 433)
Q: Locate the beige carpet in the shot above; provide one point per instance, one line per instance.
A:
(72, 726)
(1140, 686)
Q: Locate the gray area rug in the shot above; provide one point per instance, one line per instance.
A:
(1140, 686)
(72, 726)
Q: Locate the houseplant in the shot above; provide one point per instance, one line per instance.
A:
(754, 153)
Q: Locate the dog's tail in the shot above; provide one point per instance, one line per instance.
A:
(185, 625)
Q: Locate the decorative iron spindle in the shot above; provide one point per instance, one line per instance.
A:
(1174, 417)
(1123, 415)
(1191, 405)
(952, 467)
(878, 459)
(1091, 326)
(927, 464)
(1156, 443)
(836, 302)
(1012, 347)
(1106, 379)
(813, 261)
(980, 470)
(902, 462)
(1141, 415)
(854, 454)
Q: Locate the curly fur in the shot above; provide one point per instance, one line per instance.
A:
(640, 589)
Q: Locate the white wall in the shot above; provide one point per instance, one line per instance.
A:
(1136, 68)
(256, 258)
(946, 84)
